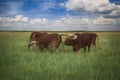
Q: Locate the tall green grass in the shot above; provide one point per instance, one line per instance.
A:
(17, 62)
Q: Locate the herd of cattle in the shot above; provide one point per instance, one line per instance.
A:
(44, 40)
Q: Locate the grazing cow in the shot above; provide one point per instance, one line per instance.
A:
(50, 40)
(78, 41)
(34, 38)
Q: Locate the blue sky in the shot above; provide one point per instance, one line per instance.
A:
(61, 15)
(35, 8)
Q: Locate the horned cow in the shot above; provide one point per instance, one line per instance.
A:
(49, 40)
(78, 41)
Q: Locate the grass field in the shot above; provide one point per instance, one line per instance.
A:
(18, 62)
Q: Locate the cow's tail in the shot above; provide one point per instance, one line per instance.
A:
(97, 38)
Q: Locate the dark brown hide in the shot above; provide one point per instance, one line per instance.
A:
(82, 41)
(49, 40)
(93, 37)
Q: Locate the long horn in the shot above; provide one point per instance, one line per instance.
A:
(32, 42)
(74, 37)
(70, 35)
(63, 34)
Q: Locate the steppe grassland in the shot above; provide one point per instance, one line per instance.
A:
(18, 62)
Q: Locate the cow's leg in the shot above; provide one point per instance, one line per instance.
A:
(84, 49)
(94, 42)
(41, 48)
(57, 49)
(56, 45)
(29, 45)
(89, 48)
(49, 48)
(37, 45)
(75, 50)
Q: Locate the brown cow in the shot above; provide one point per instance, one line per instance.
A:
(34, 38)
(78, 41)
(50, 40)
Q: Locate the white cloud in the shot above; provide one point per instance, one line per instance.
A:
(25, 19)
(21, 22)
(4, 19)
(102, 20)
(113, 14)
(62, 4)
(39, 21)
(19, 18)
(102, 7)
(87, 5)
(71, 21)
(16, 23)
(5, 22)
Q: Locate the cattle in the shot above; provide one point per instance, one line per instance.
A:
(50, 40)
(78, 41)
(34, 38)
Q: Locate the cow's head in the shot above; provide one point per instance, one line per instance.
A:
(31, 43)
(70, 39)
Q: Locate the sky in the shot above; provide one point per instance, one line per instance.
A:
(60, 15)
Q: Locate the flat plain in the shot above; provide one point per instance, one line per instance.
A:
(18, 62)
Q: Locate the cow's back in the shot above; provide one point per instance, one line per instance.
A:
(50, 40)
